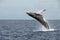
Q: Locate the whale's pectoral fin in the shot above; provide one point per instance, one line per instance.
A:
(41, 11)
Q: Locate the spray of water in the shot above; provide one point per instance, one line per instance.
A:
(44, 29)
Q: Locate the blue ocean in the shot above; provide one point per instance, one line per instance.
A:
(23, 30)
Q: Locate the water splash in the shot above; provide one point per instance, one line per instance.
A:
(44, 29)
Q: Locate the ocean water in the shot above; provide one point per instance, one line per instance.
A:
(23, 30)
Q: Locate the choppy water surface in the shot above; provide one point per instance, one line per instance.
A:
(23, 30)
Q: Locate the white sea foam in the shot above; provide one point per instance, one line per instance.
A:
(44, 29)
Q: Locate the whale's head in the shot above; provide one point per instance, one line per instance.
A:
(30, 14)
(34, 15)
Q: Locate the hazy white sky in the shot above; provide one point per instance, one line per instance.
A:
(16, 9)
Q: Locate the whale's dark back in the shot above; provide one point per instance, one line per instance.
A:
(39, 18)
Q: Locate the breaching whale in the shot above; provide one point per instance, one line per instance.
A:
(39, 17)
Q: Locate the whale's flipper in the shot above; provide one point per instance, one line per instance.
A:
(40, 18)
(41, 11)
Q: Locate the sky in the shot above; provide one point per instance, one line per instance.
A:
(16, 9)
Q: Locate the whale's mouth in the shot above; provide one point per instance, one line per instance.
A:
(31, 14)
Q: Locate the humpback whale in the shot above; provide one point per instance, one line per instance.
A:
(39, 17)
